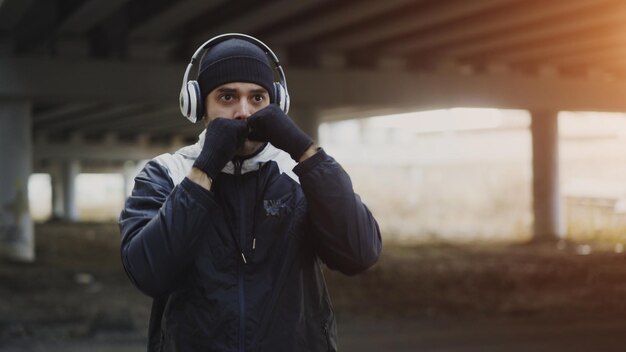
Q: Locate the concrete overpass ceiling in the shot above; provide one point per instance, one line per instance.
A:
(382, 32)
(170, 18)
(83, 16)
(44, 113)
(498, 21)
(132, 123)
(54, 53)
(12, 12)
(84, 120)
(548, 24)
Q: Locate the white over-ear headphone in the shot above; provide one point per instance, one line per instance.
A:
(191, 104)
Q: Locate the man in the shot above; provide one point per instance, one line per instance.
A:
(228, 235)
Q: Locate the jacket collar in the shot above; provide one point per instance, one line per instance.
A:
(253, 163)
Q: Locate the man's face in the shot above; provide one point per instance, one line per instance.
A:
(237, 100)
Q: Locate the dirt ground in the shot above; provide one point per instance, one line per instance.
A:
(426, 297)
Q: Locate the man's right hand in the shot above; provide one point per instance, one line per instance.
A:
(223, 138)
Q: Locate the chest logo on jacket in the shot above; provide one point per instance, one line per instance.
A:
(273, 206)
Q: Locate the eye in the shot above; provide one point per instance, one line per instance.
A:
(227, 97)
(258, 98)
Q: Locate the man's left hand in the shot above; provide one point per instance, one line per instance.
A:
(271, 124)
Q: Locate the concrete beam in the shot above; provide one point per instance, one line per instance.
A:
(86, 167)
(12, 12)
(121, 83)
(182, 129)
(333, 20)
(554, 51)
(96, 151)
(72, 47)
(107, 81)
(62, 111)
(86, 119)
(171, 18)
(134, 122)
(558, 26)
(436, 14)
(170, 125)
(482, 27)
(359, 112)
(89, 15)
(262, 16)
(594, 57)
(150, 51)
(440, 90)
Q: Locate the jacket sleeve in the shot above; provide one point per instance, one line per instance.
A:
(346, 234)
(160, 225)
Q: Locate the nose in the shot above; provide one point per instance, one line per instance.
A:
(243, 110)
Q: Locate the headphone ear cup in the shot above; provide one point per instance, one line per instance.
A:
(199, 101)
(194, 110)
(183, 100)
(287, 101)
(282, 97)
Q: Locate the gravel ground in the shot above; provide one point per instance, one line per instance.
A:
(427, 297)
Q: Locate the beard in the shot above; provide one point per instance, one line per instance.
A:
(248, 148)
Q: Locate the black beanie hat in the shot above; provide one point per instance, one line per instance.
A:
(234, 60)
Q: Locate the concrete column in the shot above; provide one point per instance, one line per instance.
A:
(547, 209)
(307, 118)
(71, 169)
(129, 172)
(56, 185)
(17, 239)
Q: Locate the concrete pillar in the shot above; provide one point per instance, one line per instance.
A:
(129, 172)
(307, 118)
(17, 239)
(71, 169)
(547, 209)
(56, 185)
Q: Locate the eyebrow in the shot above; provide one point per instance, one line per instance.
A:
(233, 90)
(227, 90)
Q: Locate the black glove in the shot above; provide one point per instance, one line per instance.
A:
(271, 124)
(223, 137)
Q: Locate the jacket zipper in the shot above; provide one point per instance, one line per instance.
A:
(242, 306)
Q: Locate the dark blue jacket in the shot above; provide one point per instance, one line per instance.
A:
(185, 247)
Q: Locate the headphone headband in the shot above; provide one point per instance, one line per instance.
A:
(189, 103)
